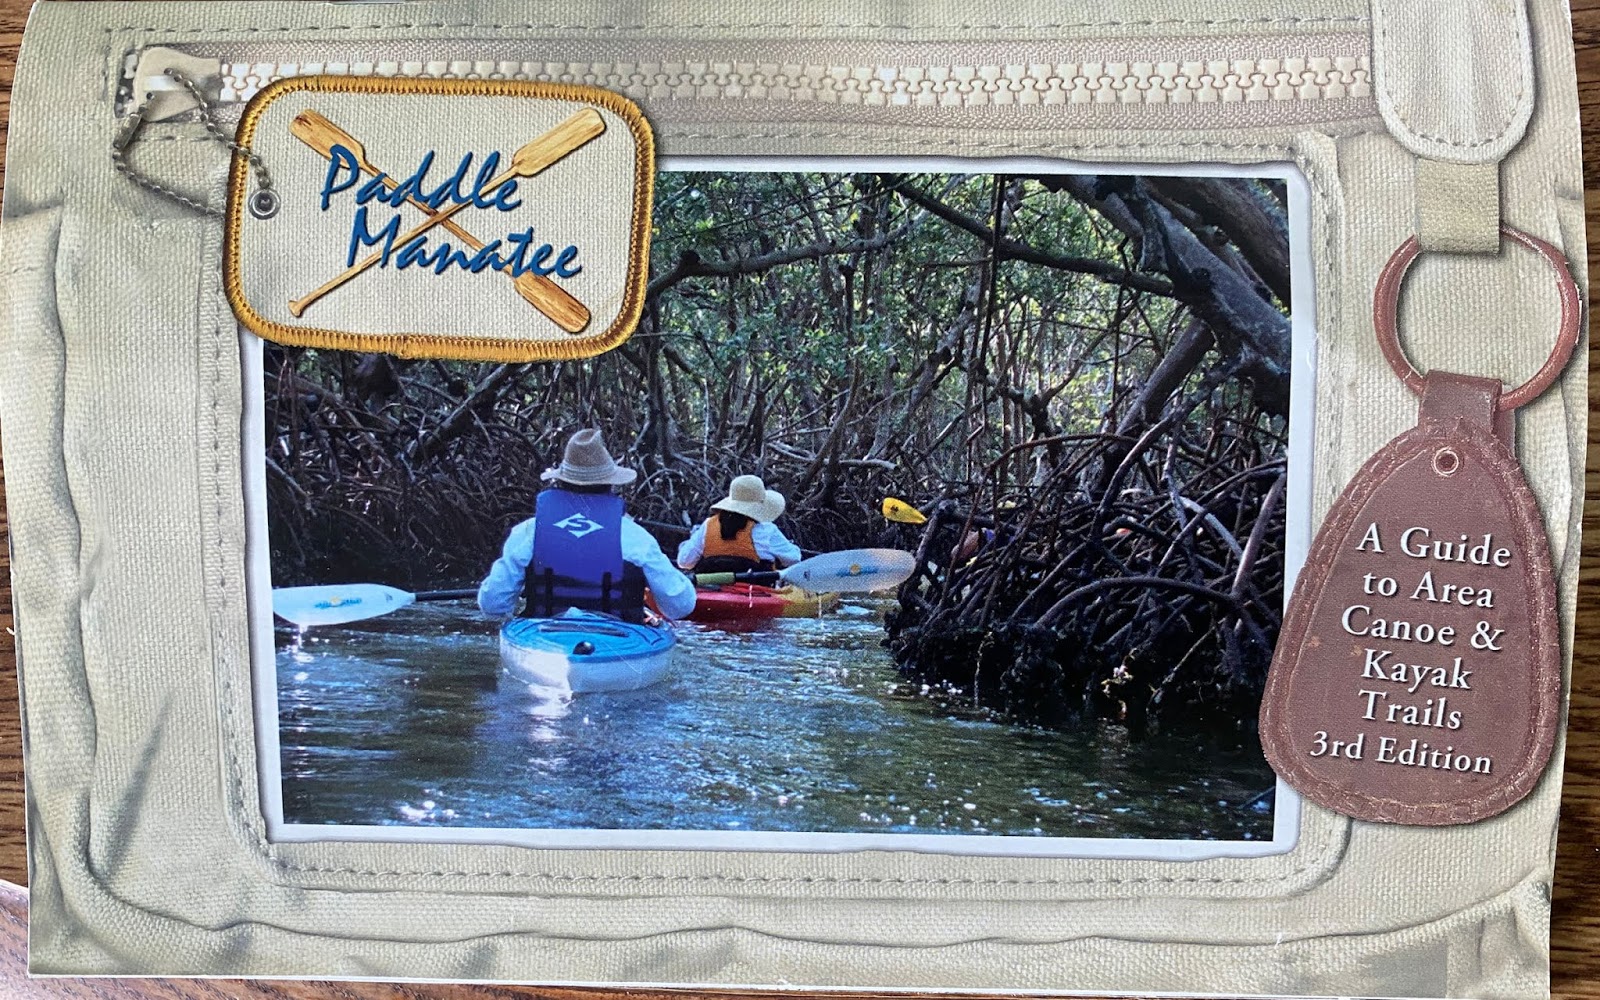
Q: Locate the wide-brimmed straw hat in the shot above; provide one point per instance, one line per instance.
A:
(588, 463)
(749, 496)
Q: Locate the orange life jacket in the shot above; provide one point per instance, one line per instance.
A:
(740, 546)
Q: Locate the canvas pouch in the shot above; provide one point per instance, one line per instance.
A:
(121, 399)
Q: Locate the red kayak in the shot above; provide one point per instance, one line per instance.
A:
(749, 603)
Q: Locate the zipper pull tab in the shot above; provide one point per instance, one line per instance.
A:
(158, 97)
(128, 128)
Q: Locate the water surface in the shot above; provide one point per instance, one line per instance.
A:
(803, 725)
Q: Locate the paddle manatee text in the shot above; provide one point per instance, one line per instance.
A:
(517, 251)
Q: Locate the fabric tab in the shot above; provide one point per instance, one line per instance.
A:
(1458, 206)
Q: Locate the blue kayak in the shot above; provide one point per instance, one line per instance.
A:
(581, 651)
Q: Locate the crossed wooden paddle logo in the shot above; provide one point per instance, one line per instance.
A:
(322, 135)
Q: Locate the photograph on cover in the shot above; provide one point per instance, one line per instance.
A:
(1035, 426)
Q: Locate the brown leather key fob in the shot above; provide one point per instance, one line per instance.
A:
(1418, 675)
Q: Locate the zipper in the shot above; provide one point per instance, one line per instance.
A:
(1332, 72)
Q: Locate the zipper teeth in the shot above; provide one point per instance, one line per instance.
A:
(1222, 81)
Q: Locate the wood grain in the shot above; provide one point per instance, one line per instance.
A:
(1575, 915)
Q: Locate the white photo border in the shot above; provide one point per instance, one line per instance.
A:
(1298, 530)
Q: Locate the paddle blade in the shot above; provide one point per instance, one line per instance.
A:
(550, 148)
(321, 134)
(902, 512)
(337, 605)
(852, 571)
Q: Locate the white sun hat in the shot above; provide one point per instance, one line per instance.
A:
(749, 496)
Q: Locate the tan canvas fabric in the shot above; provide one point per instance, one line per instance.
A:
(147, 845)
(1458, 206)
(1455, 80)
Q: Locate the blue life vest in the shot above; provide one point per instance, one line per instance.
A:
(577, 558)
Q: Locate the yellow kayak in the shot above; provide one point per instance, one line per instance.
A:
(799, 604)
(749, 602)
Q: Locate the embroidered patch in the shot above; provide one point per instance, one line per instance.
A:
(488, 220)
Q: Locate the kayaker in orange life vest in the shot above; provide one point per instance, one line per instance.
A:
(739, 536)
(580, 550)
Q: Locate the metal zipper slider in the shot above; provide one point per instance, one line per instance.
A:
(159, 95)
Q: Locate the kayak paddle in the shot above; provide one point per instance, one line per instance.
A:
(853, 570)
(353, 602)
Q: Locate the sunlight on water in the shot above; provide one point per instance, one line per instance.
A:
(800, 726)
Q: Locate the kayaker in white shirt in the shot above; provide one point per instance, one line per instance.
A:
(739, 536)
(580, 550)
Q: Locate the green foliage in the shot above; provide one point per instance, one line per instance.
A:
(887, 352)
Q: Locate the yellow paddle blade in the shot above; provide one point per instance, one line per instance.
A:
(899, 510)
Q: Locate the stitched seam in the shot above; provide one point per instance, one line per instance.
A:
(267, 849)
(758, 25)
(1281, 150)
(807, 879)
(143, 139)
(230, 721)
(1401, 113)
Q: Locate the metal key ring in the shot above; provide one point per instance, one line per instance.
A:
(1386, 307)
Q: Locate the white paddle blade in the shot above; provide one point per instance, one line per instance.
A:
(337, 605)
(854, 571)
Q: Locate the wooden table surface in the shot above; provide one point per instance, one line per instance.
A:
(1575, 917)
